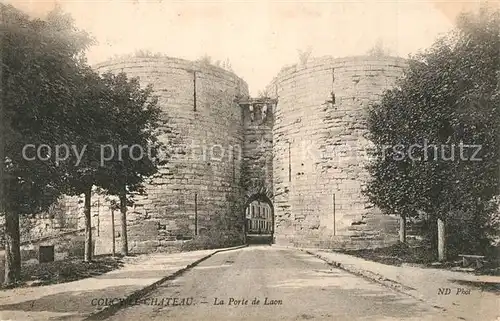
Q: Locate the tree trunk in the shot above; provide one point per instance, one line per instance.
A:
(113, 230)
(88, 226)
(402, 229)
(12, 248)
(123, 211)
(441, 240)
(12, 236)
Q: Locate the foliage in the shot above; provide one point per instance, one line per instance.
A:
(133, 117)
(148, 54)
(51, 96)
(379, 50)
(448, 97)
(92, 111)
(226, 64)
(396, 254)
(141, 53)
(207, 60)
(42, 71)
(67, 270)
(304, 55)
(39, 81)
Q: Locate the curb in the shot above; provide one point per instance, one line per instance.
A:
(377, 278)
(113, 308)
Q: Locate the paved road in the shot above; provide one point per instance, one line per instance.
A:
(295, 286)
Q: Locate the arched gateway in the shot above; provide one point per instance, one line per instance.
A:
(259, 217)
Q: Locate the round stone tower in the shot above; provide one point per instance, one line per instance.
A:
(320, 151)
(203, 132)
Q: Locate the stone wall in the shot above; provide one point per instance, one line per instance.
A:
(63, 217)
(203, 129)
(319, 152)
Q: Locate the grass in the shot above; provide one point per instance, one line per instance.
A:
(67, 270)
(395, 254)
(401, 253)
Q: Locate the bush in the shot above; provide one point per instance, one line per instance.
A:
(68, 271)
(471, 233)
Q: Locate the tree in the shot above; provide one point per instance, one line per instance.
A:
(90, 131)
(379, 49)
(226, 64)
(304, 55)
(392, 188)
(134, 119)
(205, 60)
(447, 101)
(39, 60)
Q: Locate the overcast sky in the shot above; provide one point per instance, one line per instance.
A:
(258, 37)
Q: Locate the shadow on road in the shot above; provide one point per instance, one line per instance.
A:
(264, 239)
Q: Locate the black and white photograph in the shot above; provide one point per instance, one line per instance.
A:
(249, 160)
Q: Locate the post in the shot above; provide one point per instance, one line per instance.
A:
(195, 213)
(113, 230)
(123, 218)
(402, 228)
(88, 225)
(12, 244)
(334, 232)
(441, 240)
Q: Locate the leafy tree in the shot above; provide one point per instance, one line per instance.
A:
(379, 49)
(205, 60)
(90, 131)
(227, 65)
(448, 98)
(39, 70)
(304, 55)
(134, 152)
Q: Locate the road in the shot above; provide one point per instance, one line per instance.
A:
(289, 285)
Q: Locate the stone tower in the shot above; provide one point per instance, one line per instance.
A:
(203, 130)
(320, 151)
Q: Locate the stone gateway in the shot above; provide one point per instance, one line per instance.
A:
(301, 149)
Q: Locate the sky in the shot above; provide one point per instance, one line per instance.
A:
(258, 37)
